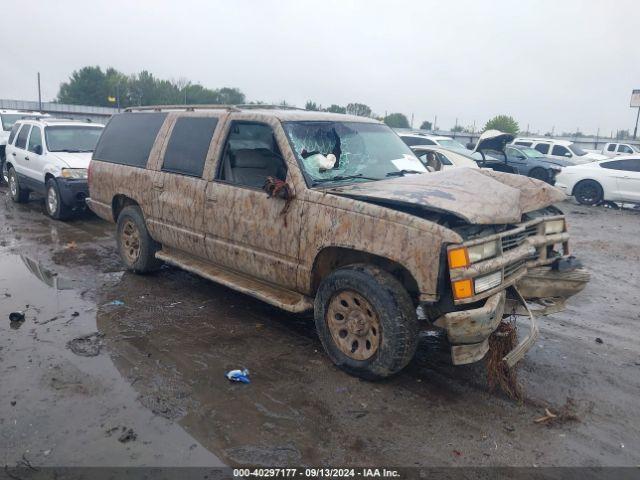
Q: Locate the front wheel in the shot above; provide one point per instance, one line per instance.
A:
(588, 192)
(137, 248)
(366, 321)
(539, 174)
(56, 208)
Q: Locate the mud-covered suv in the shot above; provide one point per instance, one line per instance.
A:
(332, 213)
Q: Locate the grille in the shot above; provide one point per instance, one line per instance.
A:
(513, 268)
(514, 240)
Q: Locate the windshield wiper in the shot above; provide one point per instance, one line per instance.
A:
(402, 173)
(337, 178)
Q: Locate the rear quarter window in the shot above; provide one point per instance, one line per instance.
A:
(188, 145)
(14, 130)
(631, 165)
(129, 137)
(21, 141)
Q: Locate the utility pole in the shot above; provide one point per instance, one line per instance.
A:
(118, 96)
(435, 122)
(40, 96)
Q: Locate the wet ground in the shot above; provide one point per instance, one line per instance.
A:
(110, 368)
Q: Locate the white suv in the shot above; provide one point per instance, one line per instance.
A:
(559, 149)
(51, 157)
(7, 119)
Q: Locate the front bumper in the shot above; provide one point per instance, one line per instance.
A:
(468, 331)
(73, 192)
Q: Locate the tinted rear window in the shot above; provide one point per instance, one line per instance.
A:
(188, 145)
(129, 137)
(631, 165)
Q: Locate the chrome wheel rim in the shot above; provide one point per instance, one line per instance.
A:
(13, 185)
(52, 200)
(130, 241)
(354, 325)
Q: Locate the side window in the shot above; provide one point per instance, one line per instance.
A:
(560, 151)
(251, 155)
(14, 130)
(188, 145)
(443, 159)
(611, 147)
(35, 140)
(21, 141)
(624, 149)
(542, 148)
(523, 144)
(128, 138)
(631, 165)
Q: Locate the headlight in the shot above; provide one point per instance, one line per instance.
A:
(554, 226)
(75, 173)
(483, 251)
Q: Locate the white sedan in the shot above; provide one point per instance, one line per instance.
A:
(439, 158)
(615, 180)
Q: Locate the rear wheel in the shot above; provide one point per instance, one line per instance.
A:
(5, 171)
(366, 321)
(137, 248)
(18, 194)
(588, 192)
(53, 202)
(540, 174)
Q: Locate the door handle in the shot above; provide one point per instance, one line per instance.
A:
(13, 153)
(26, 158)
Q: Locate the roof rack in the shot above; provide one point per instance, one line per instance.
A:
(230, 108)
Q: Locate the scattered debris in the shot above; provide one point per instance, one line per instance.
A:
(46, 453)
(75, 314)
(599, 340)
(87, 345)
(16, 317)
(501, 342)
(564, 414)
(457, 453)
(72, 245)
(238, 375)
(117, 303)
(13, 403)
(128, 435)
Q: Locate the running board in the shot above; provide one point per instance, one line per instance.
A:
(279, 297)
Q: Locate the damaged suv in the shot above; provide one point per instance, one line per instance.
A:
(334, 214)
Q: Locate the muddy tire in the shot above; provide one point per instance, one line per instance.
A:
(366, 321)
(137, 248)
(53, 203)
(18, 194)
(539, 174)
(588, 192)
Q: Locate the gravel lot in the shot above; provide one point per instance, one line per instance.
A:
(148, 389)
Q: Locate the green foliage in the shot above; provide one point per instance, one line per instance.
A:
(336, 109)
(312, 106)
(426, 125)
(504, 123)
(92, 86)
(457, 128)
(359, 109)
(396, 120)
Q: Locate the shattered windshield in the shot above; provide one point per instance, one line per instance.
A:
(349, 151)
(72, 139)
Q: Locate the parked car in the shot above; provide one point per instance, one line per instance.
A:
(345, 228)
(559, 149)
(7, 120)
(615, 180)
(50, 157)
(417, 138)
(438, 158)
(529, 162)
(614, 149)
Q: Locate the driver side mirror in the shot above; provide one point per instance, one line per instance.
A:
(567, 154)
(521, 157)
(278, 188)
(37, 149)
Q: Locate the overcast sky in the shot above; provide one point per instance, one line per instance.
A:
(563, 64)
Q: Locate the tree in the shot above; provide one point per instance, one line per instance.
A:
(457, 128)
(426, 125)
(504, 123)
(396, 120)
(86, 86)
(359, 109)
(312, 106)
(336, 109)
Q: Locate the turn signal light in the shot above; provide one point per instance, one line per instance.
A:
(458, 257)
(462, 288)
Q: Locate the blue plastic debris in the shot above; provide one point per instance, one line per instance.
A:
(238, 375)
(115, 302)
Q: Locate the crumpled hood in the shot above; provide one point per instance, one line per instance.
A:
(478, 196)
(74, 159)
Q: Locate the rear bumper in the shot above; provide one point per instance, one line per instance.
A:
(73, 192)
